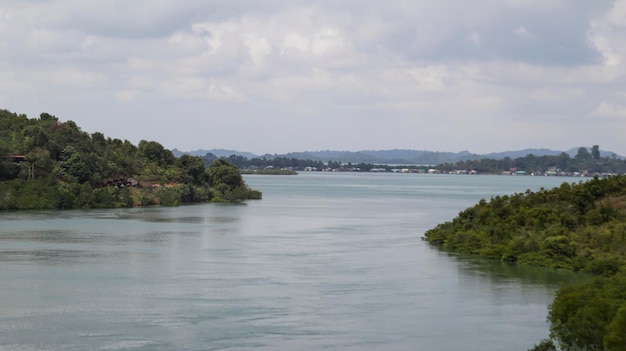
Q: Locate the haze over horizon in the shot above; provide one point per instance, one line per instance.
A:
(288, 75)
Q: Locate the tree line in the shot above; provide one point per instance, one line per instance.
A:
(295, 164)
(49, 164)
(584, 162)
(578, 226)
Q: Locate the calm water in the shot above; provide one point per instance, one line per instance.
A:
(323, 262)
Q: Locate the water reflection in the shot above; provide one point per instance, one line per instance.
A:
(222, 219)
(49, 256)
(190, 219)
(51, 236)
(498, 272)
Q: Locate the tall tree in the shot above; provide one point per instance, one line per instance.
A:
(583, 154)
(192, 169)
(223, 172)
(155, 152)
(595, 152)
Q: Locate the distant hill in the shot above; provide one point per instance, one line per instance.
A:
(572, 152)
(395, 156)
(543, 152)
(216, 152)
(524, 153)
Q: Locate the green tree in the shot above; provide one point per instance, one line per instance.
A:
(48, 117)
(563, 161)
(155, 152)
(591, 315)
(615, 338)
(227, 182)
(595, 152)
(583, 155)
(8, 168)
(223, 172)
(192, 170)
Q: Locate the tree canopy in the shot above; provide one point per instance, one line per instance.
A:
(226, 178)
(48, 164)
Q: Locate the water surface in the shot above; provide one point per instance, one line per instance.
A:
(324, 261)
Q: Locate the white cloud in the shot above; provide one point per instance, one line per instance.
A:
(327, 40)
(297, 41)
(213, 33)
(606, 35)
(522, 32)
(201, 88)
(259, 48)
(609, 110)
(617, 16)
(558, 95)
(493, 69)
(70, 76)
(612, 107)
(127, 95)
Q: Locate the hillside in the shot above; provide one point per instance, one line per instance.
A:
(49, 164)
(580, 227)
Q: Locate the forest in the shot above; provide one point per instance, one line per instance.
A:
(580, 227)
(49, 164)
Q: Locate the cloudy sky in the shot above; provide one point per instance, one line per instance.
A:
(293, 75)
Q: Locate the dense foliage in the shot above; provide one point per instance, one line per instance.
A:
(579, 227)
(49, 164)
(575, 226)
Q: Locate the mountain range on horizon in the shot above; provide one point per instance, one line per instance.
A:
(394, 156)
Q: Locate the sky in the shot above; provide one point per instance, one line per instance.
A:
(294, 75)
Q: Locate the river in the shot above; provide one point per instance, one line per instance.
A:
(326, 261)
